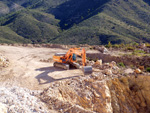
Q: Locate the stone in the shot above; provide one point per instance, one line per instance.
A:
(102, 49)
(3, 108)
(19, 100)
(141, 68)
(128, 71)
(113, 63)
(92, 62)
(105, 50)
(4, 62)
(115, 69)
(108, 72)
(137, 71)
(98, 62)
(106, 64)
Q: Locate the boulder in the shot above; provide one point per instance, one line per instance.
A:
(102, 49)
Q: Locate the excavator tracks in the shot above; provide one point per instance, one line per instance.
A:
(61, 65)
(67, 66)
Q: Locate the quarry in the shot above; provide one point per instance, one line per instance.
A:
(30, 83)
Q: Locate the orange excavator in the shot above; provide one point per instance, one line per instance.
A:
(69, 59)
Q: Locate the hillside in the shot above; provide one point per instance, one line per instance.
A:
(75, 21)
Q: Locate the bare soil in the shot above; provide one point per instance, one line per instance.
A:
(32, 67)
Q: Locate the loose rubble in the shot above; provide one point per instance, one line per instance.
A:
(3, 108)
(20, 100)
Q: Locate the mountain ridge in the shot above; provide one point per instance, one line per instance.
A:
(79, 22)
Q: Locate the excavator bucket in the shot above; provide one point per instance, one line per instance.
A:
(87, 69)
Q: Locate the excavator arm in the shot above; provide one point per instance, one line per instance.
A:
(70, 58)
(78, 52)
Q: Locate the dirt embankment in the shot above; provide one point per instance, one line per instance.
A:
(127, 60)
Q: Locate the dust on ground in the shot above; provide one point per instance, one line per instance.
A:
(32, 67)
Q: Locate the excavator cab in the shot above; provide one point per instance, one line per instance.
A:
(74, 57)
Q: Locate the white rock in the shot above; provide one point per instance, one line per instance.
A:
(98, 62)
(20, 100)
(107, 72)
(128, 71)
(3, 108)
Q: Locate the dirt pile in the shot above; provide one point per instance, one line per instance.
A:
(21, 100)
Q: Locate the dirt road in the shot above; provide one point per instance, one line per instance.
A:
(27, 68)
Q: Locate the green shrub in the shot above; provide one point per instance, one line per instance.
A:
(122, 45)
(139, 51)
(148, 69)
(116, 46)
(147, 45)
(130, 48)
(109, 45)
(121, 64)
(135, 44)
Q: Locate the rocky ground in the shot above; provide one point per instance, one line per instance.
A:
(30, 83)
(21, 100)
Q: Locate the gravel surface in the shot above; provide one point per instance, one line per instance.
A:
(21, 100)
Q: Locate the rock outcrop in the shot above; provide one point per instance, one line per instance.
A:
(130, 94)
(82, 94)
(97, 93)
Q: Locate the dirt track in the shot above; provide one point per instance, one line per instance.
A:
(27, 68)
